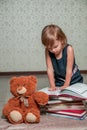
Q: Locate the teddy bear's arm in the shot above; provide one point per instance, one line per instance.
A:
(13, 102)
(41, 98)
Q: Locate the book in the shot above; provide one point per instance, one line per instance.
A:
(76, 113)
(67, 116)
(65, 101)
(59, 102)
(75, 91)
(66, 106)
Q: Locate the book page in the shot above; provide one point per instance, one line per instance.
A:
(52, 93)
(78, 88)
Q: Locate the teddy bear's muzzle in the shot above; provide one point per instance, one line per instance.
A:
(21, 90)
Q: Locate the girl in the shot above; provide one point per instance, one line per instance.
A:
(61, 67)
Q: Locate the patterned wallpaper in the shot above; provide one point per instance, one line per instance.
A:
(21, 23)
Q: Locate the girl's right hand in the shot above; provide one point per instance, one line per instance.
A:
(52, 88)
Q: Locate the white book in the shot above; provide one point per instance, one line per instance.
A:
(78, 90)
(54, 101)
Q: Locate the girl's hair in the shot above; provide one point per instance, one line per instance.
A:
(50, 33)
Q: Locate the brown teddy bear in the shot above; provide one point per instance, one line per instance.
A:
(24, 106)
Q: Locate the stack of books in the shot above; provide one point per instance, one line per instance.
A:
(70, 102)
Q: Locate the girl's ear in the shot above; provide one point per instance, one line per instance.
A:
(12, 80)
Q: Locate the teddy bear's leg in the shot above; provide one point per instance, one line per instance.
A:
(33, 115)
(15, 116)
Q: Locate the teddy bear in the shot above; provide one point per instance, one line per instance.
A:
(24, 105)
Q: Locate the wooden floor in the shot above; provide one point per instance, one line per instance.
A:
(5, 89)
(47, 123)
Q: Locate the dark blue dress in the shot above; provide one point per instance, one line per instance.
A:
(59, 66)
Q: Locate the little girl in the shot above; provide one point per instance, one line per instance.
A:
(61, 67)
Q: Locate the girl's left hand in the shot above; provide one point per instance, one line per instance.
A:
(62, 87)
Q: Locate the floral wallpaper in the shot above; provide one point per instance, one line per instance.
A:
(21, 23)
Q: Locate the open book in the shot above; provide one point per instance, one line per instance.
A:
(78, 90)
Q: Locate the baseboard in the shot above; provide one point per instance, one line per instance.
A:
(83, 71)
(23, 73)
(30, 73)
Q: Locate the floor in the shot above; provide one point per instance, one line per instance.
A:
(5, 91)
(47, 123)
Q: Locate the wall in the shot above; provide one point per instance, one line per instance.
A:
(21, 22)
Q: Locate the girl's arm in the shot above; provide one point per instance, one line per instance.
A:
(50, 71)
(69, 68)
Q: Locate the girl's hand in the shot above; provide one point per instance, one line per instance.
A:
(62, 87)
(52, 88)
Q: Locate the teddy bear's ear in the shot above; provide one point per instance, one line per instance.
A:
(33, 78)
(12, 79)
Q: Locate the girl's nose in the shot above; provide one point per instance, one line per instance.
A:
(53, 50)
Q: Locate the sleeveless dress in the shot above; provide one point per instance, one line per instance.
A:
(59, 66)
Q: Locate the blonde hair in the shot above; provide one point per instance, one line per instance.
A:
(52, 32)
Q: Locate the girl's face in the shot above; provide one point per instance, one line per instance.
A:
(56, 48)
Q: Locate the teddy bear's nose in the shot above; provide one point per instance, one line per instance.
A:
(21, 90)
